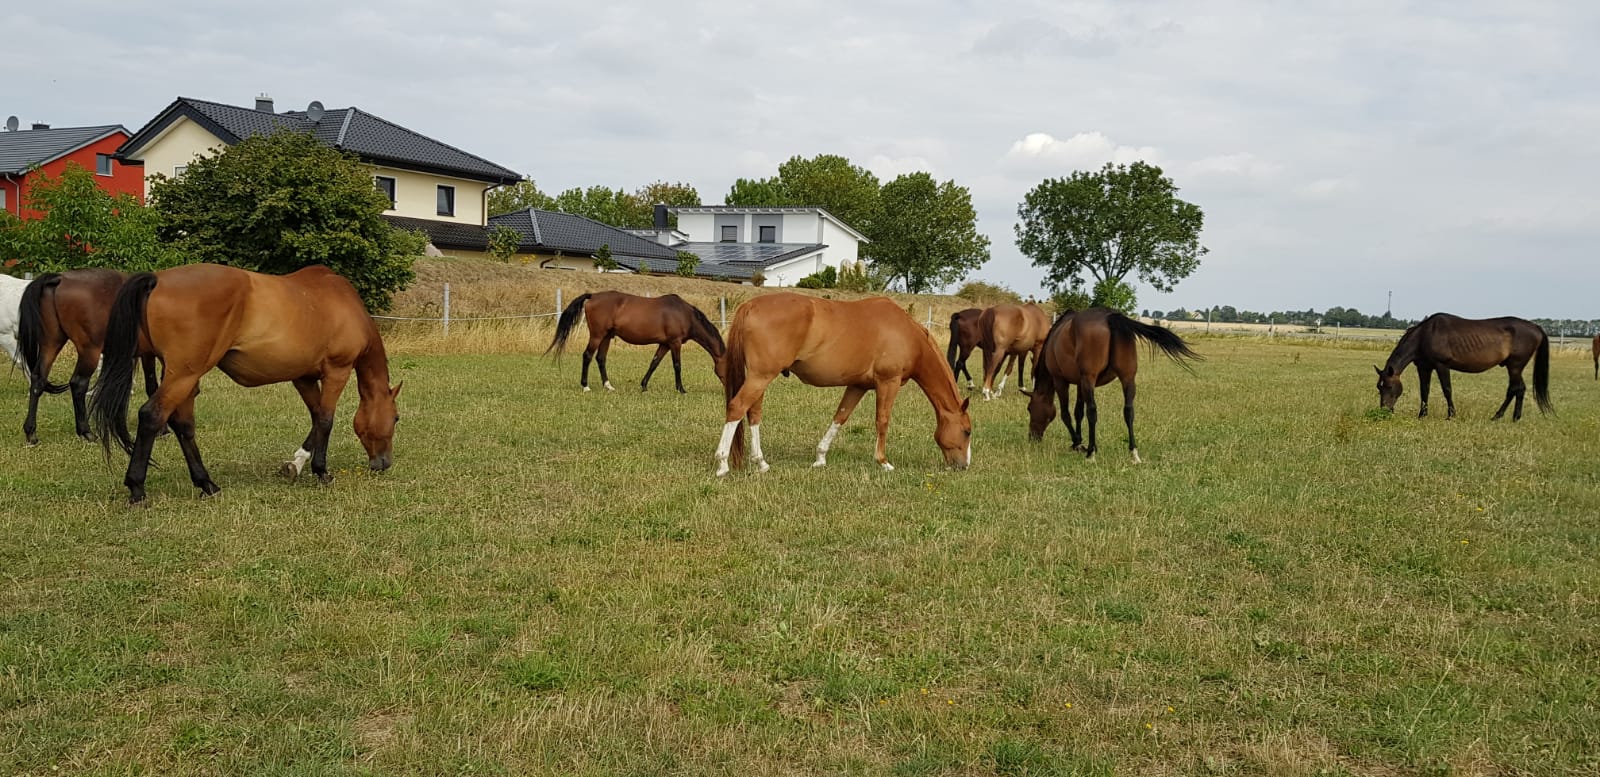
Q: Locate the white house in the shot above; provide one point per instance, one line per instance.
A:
(782, 244)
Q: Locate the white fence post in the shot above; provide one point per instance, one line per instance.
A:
(447, 310)
(558, 302)
(723, 304)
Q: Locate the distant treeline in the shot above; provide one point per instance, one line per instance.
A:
(1337, 316)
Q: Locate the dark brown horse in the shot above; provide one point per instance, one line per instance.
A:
(1442, 342)
(667, 321)
(964, 335)
(867, 345)
(1087, 349)
(58, 308)
(1009, 330)
(308, 328)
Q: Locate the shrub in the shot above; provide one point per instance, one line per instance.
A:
(602, 258)
(687, 262)
(984, 294)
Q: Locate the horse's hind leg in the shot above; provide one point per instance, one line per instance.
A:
(153, 417)
(754, 416)
(847, 405)
(750, 393)
(588, 354)
(182, 423)
(962, 369)
(1514, 391)
(88, 359)
(1127, 417)
(600, 361)
(1449, 399)
(37, 384)
(1086, 398)
(661, 350)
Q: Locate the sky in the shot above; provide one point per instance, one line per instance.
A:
(1444, 152)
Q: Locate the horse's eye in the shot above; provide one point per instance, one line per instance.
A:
(968, 432)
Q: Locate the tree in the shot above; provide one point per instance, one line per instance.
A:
(277, 203)
(601, 203)
(602, 259)
(926, 234)
(503, 242)
(522, 195)
(645, 200)
(827, 181)
(82, 225)
(687, 261)
(1123, 219)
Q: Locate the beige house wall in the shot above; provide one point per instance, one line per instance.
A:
(176, 146)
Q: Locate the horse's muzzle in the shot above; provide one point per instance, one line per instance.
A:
(381, 463)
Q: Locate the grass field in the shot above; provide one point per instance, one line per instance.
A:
(549, 582)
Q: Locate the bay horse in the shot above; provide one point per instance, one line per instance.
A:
(964, 336)
(308, 327)
(1087, 349)
(1442, 342)
(58, 308)
(864, 345)
(667, 321)
(1010, 330)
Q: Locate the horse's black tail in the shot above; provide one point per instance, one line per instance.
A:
(1165, 339)
(1541, 375)
(734, 382)
(955, 337)
(109, 408)
(564, 325)
(30, 328)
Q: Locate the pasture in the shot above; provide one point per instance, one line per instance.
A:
(549, 582)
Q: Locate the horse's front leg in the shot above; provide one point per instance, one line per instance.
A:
(1424, 382)
(311, 394)
(847, 405)
(886, 391)
(677, 365)
(661, 350)
(333, 381)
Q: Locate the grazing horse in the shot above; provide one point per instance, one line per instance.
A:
(308, 328)
(964, 337)
(866, 345)
(1091, 348)
(1442, 342)
(58, 308)
(10, 299)
(666, 320)
(1010, 330)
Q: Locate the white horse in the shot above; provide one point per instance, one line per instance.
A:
(10, 302)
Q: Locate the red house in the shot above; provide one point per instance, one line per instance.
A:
(51, 150)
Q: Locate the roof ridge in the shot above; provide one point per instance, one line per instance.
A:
(375, 116)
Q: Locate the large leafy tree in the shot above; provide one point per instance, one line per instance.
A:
(277, 203)
(522, 195)
(828, 181)
(1122, 219)
(601, 203)
(82, 225)
(927, 235)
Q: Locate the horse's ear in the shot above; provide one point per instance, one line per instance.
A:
(394, 393)
(1379, 371)
(964, 404)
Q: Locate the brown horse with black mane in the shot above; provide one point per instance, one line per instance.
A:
(1442, 342)
(666, 320)
(1010, 330)
(1091, 348)
(308, 328)
(58, 308)
(866, 345)
(964, 336)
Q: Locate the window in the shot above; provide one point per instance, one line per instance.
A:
(177, 170)
(730, 234)
(2, 199)
(102, 164)
(769, 234)
(385, 184)
(447, 200)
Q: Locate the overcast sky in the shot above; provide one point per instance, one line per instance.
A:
(1445, 151)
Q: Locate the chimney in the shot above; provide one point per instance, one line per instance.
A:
(40, 125)
(661, 216)
(264, 102)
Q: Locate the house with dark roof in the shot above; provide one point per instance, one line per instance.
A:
(26, 154)
(782, 245)
(431, 185)
(564, 241)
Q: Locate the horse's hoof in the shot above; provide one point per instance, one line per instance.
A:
(887, 467)
(289, 470)
(325, 478)
(86, 437)
(761, 466)
(585, 389)
(609, 386)
(819, 463)
(1136, 458)
(209, 490)
(33, 442)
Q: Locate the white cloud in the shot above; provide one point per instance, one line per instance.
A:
(1083, 151)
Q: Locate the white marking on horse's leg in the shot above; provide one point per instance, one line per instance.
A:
(585, 389)
(725, 446)
(987, 394)
(293, 467)
(1002, 386)
(608, 386)
(887, 467)
(756, 455)
(1136, 458)
(822, 447)
(969, 454)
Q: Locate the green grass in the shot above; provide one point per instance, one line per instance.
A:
(549, 582)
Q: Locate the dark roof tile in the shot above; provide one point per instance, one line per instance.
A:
(23, 149)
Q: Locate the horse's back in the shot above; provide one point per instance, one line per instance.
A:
(829, 342)
(1476, 344)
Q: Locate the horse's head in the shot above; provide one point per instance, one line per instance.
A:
(954, 436)
(1041, 405)
(375, 420)
(1389, 387)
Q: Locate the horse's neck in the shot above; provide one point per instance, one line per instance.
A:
(372, 369)
(699, 333)
(1405, 351)
(932, 373)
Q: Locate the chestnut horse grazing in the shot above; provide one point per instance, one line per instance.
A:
(57, 308)
(964, 335)
(1442, 342)
(867, 345)
(666, 320)
(1010, 330)
(308, 328)
(1087, 349)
